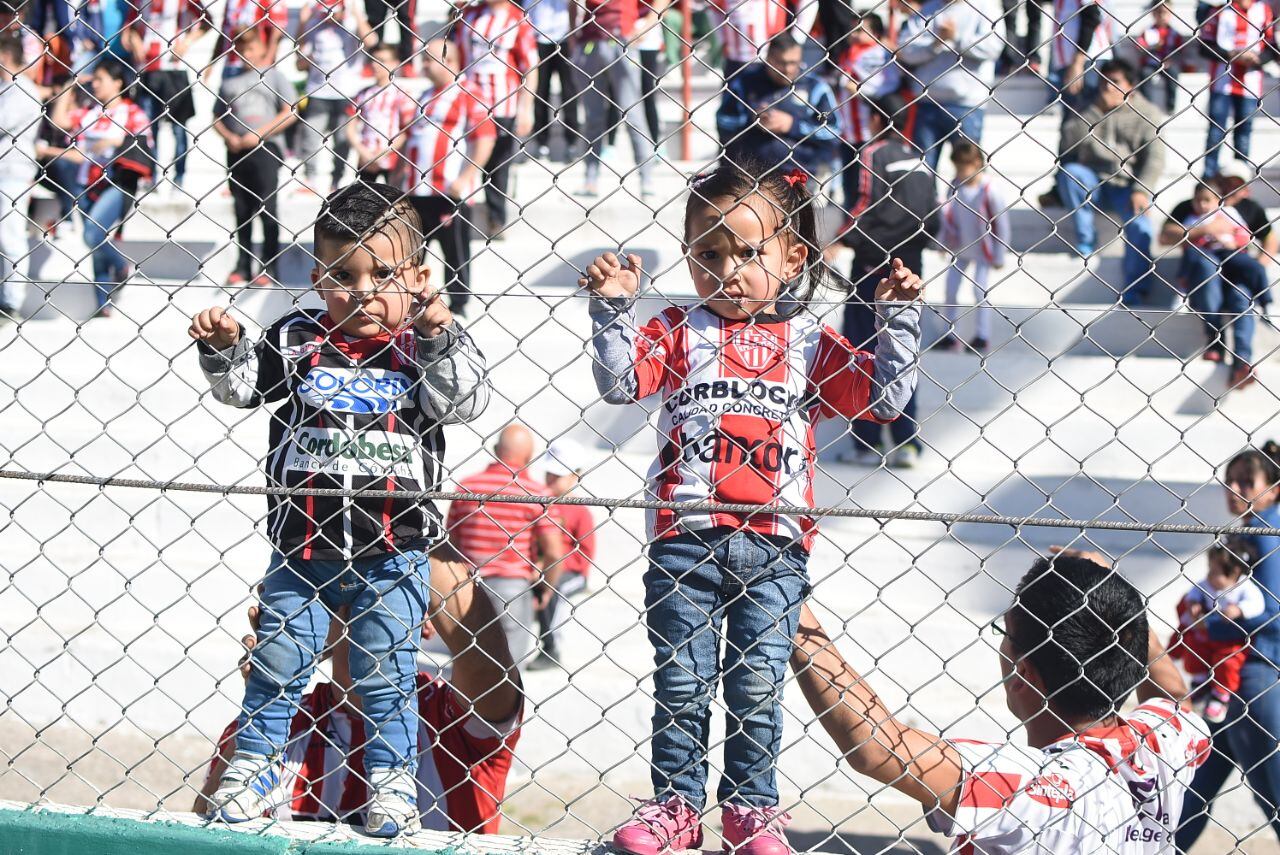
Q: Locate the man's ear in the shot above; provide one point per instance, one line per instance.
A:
(1027, 680)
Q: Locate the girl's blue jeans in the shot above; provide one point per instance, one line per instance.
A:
(388, 599)
(704, 590)
(102, 216)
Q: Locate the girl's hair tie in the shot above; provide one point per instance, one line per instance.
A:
(700, 178)
(796, 176)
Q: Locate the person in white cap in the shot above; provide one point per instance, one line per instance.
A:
(563, 463)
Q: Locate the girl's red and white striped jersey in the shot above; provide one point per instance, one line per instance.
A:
(463, 761)
(447, 123)
(1116, 789)
(264, 15)
(1238, 27)
(1066, 33)
(384, 111)
(975, 223)
(498, 49)
(100, 132)
(870, 66)
(160, 23)
(747, 25)
(739, 404)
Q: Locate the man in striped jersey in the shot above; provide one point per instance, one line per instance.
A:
(515, 548)
(1083, 34)
(1073, 646)
(500, 58)
(366, 385)
(468, 722)
(450, 141)
(1238, 38)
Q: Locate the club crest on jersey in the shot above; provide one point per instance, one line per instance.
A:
(756, 349)
(368, 391)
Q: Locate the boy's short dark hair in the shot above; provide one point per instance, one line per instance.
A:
(381, 46)
(366, 208)
(1120, 67)
(1206, 186)
(783, 42)
(967, 151)
(892, 110)
(1084, 628)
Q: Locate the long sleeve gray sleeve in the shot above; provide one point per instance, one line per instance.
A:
(232, 373)
(613, 343)
(897, 358)
(455, 379)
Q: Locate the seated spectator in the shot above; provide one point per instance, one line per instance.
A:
(1110, 158)
(252, 109)
(1161, 56)
(563, 464)
(379, 117)
(948, 51)
(1235, 36)
(1214, 666)
(866, 72)
(1074, 645)
(110, 142)
(1221, 277)
(776, 111)
(468, 722)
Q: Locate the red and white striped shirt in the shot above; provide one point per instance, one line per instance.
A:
(497, 46)
(498, 537)
(446, 125)
(747, 25)
(107, 128)
(1157, 45)
(1238, 26)
(871, 66)
(160, 23)
(266, 16)
(1066, 33)
(1116, 790)
(739, 403)
(384, 114)
(975, 223)
(463, 761)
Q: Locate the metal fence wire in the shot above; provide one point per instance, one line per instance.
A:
(543, 395)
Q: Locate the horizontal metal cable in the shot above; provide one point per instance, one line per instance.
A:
(880, 514)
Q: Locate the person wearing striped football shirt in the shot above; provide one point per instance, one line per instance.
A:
(468, 722)
(1074, 645)
(379, 116)
(1239, 38)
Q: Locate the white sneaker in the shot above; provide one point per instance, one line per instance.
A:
(859, 457)
(394, 808)
(248, 789)
(905, 458)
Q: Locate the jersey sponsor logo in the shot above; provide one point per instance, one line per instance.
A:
(1052, 790)
(297, 351)
(761, 454)
(756, 348)
(364, 391)
(776, 398)
(375, 454)
(1138, 834)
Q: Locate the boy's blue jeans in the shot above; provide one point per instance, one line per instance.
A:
(702, 588)
(388, 599)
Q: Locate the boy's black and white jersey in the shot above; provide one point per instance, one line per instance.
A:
(358, 414)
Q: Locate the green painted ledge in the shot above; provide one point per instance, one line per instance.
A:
(58, 832)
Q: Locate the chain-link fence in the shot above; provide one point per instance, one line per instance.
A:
(610, 328)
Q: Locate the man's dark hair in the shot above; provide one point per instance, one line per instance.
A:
(892, 110)
(366, 208)
(1084, 628)
(1119, 67)
(783, 42)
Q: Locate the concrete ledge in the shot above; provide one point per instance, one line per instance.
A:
(63, 830)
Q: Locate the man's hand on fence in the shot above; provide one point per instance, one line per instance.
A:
(900, 285)
(215, 327)
(607, 277)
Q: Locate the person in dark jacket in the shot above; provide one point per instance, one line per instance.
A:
(893, 213)
(780, 112)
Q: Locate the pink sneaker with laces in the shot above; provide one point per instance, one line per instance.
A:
(660, 826)
(755, 830)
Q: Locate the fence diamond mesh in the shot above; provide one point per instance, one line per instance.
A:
(570, 405)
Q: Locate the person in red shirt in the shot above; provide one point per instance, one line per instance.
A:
(468, 723)
(563, 464)
(268, 18)
(513, 547)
